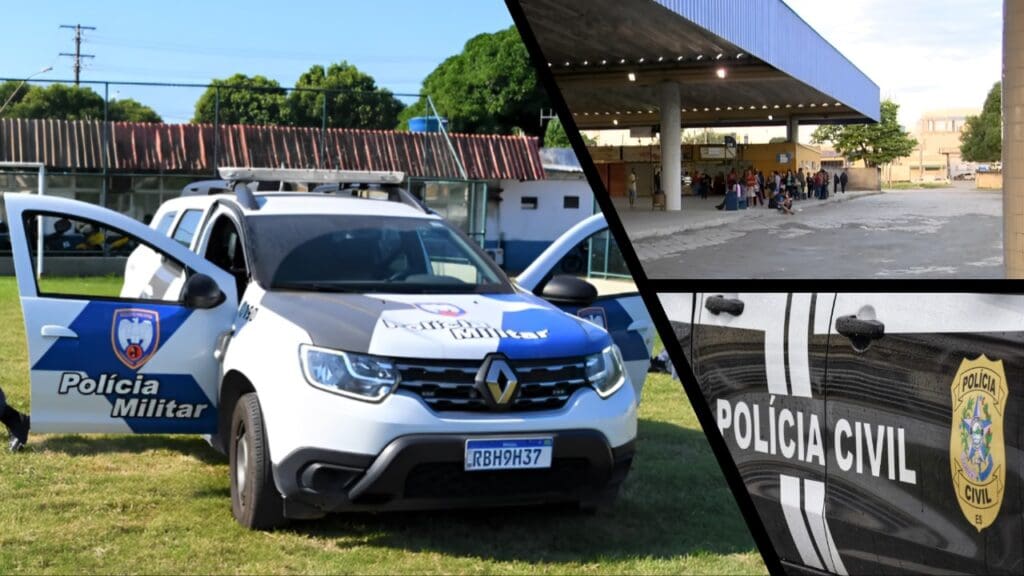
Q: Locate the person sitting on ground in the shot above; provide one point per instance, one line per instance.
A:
(786, 204)
(17, 424)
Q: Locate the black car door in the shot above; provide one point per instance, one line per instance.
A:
(760, 361)
(924, 395)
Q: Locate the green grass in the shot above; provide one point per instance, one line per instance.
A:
(157, 504)
(916, 186)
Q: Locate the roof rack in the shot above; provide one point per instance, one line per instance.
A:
(371, 191)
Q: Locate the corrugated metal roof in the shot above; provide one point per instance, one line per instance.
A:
(189, 148)
(771, 31)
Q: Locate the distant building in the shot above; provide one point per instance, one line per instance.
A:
(937, 157)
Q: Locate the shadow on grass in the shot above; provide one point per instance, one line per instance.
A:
(674, 503)
(91, 445)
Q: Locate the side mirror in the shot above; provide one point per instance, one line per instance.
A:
(566, 290)
(201, 292)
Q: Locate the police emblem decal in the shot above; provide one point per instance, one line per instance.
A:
(442, 309)
(977, 453)
(135, 336)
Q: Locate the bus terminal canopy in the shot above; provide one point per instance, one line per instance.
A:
(735, 62)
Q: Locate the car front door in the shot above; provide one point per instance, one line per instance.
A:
(760, 361)
(589, 251)
(924, 409)
(101, 360)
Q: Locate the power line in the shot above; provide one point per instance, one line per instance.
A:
(78, 47)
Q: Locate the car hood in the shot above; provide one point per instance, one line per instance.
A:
(432, 326)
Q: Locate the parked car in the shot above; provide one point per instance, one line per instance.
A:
(875, 433)
(346, 350)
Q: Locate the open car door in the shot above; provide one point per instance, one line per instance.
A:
(104, 356)
(588, 251)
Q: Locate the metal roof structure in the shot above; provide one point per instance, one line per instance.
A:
(609, 58)
(84, 145)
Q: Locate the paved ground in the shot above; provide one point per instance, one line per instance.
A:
(955, 232)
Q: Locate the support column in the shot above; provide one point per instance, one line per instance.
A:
(1013, 138)
(671, 147)
(793, 130)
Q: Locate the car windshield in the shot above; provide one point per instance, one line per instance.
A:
(346, 253)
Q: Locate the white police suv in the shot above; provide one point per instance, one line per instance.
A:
(348, 349)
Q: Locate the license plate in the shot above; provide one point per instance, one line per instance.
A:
(508, 453)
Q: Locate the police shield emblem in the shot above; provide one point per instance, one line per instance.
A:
(977, 453)
(135, 336)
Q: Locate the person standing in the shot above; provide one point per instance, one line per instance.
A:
(631, 189)
(751, 182)
(844, 179)
(17, 424)
(836, 186)
(801, 181)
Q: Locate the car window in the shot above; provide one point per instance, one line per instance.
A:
(187, 226)
(165, 223)
(598, 260)
(328, 252)
(82, 258)
(225, 249)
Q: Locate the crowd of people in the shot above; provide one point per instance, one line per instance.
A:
(775, 191)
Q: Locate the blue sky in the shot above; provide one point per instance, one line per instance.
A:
(398, 42)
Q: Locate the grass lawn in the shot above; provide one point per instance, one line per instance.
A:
(158, 504)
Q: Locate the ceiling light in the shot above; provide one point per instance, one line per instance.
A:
(717, 109)
(799, 105)
(776, 106)
(549, 64)
(603, 62)
(770, 117)
(640, 61)
(720, 72)
(622, 61)
(741, 107)
(729, 108)
(814, 105)
(661, 58)
(631, 76)
(788, 106)
(700, 57)
(679, 58)
(586, 62)
(567, 64)
(764, 107)
(706, 110)
(825, 105)
(740, 56)
(615, 122)
(719, 57)
(837, 104)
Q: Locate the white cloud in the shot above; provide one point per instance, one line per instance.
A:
(925, 54)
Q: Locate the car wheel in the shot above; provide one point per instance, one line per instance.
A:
(255, 501)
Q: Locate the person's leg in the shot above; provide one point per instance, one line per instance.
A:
(17, 424)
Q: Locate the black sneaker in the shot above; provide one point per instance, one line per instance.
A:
(19, 434)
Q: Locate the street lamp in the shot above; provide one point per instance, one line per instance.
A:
(11, 97)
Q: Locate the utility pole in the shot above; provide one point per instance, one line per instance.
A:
(78, 47)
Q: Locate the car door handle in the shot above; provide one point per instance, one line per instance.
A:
(54, 331)
(718, 304)
(853, 327)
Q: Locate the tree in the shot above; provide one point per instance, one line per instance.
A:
(704, 137)
(8, 88)
(555, 136)
(982, 139)
(490, 87)
(876, 144)
(65, 102)
(358, 102)
(243, 100)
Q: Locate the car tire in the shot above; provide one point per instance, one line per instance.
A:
(255, 501)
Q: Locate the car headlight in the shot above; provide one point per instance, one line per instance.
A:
(605, 371)
(356, 376)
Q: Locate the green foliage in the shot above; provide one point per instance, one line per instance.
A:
(982, 140)
(243, 100)
(359, 103)
(490, 87)
(876, 144)
(65, 102)
(705, 137)
(556, 137)
(7, 89)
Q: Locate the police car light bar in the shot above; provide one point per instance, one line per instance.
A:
(312, 175)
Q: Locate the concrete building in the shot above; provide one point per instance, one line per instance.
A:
(669, 64)
(937, 156)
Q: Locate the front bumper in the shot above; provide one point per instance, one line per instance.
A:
(426, 472)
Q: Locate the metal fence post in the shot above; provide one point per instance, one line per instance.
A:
(216, 129)
(323, 130)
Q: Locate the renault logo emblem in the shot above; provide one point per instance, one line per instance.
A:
(497, 382)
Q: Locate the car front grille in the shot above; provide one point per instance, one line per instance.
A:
(451, 385)
(450, 480)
